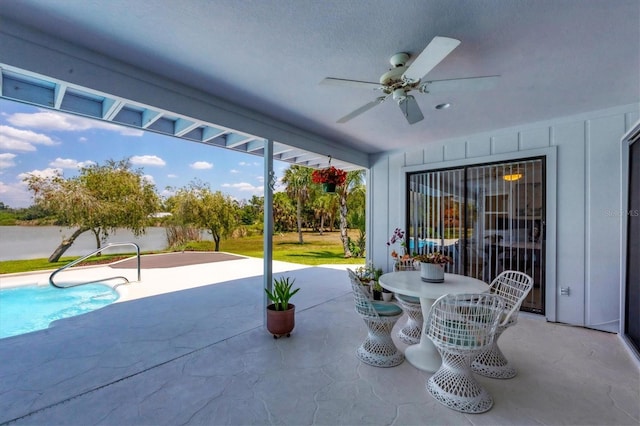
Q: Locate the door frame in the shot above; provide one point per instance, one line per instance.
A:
(550, 154)
(630, 138)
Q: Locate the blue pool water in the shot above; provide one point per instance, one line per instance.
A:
(30, 308)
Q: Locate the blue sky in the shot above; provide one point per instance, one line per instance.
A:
(36, 140)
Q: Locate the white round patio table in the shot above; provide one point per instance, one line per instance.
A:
(424, 355)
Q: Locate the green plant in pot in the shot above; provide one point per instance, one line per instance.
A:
(281, 313)
(377, 291)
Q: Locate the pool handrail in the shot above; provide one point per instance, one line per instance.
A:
(75, 262)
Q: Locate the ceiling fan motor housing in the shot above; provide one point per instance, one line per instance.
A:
(399, 59)
(392, 76)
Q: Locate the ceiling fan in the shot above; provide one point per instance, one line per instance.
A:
(403, 78)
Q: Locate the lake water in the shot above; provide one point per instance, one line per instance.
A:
(30, 242)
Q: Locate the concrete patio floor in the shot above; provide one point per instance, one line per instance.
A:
(201, 356)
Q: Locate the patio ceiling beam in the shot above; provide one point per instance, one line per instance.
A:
(111, 108)
(209, 133)
(234, 140)
(26, 48)
(182, 126)
(255, 146)
(149, 117)
(290, 155)
(58, 94)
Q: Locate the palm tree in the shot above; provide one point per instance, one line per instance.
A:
(322, 206)
(355, 181)
(298, 181)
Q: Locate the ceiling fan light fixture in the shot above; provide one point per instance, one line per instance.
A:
(399, 95)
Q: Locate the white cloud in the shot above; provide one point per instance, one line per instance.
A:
(15, 195)
(147, 160)
(244, 187)
(172, 176)
(82, 139)
(57, 121)
(12, 139)
(234, 171)
(45, 173)
(201, 165)
(167, 192)
(149, 179)
(6, 160)
(68, 163)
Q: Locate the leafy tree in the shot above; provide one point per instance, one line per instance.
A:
(353, 184)
(299, 187)
(284, 213)
(251, 211)
(197, 205)
(100, 199)
(356, 220)
(325, 208)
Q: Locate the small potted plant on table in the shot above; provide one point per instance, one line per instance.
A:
(281, 313)
(432, 266)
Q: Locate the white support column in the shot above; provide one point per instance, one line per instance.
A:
(269, 180)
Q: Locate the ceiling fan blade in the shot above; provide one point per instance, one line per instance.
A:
(341, 82)
(431, 56)
(410, 109)
(455, 84)
(362, 109)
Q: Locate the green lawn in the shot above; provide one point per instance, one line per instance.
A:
(316, 250)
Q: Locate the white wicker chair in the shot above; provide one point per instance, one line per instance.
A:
(378, 348)
(461, 326)
(513, 287)
(412, 330)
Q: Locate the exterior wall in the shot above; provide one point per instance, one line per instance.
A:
(583, 202)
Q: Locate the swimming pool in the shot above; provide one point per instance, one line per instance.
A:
(31, 308)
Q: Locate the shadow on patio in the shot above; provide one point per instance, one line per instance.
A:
(201, 356)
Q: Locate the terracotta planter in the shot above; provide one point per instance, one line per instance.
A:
(280, 323)
(432, 272)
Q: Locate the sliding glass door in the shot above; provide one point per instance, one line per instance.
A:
(488, 218)
(632, 288)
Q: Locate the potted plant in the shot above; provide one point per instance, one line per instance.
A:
(377, 290)
(402, 262)
(368, 276)
(432, 266)
(281, 313)
(329, 178)
(387, 295)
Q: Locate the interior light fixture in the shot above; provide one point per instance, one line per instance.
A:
(443, 106)
(512, 176)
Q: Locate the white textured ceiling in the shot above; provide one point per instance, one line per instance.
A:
(554, 57)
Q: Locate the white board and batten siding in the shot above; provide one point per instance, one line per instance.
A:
(583, 203)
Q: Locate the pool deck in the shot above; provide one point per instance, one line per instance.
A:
(186, 345)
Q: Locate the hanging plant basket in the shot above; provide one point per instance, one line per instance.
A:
(329, 187)
(329, 178)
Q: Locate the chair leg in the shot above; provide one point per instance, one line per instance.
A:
(492, 362)
(378, 348)
(411, 332)
(454, 385)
